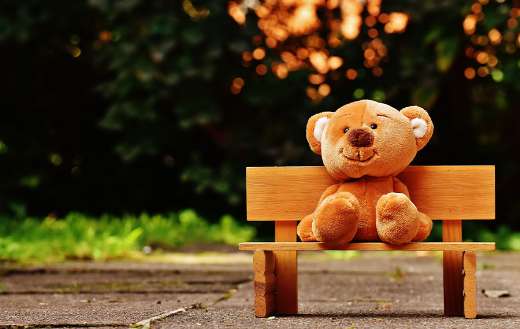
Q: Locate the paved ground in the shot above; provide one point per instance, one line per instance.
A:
(373, 290)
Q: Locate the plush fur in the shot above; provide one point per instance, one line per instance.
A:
(364, 145)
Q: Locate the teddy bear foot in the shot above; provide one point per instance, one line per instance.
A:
(304, 229)
(396, 219)
(336, 218)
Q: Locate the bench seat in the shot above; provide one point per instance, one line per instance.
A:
(374, 246)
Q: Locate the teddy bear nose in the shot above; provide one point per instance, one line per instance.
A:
(360, 138)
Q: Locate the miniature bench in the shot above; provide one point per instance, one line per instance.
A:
(286, 194)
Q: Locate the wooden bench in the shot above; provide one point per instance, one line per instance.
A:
(285, 194)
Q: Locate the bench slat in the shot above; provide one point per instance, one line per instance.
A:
(375, 246)
(442, 192)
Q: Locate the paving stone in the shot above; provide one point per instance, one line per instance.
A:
(373, 290)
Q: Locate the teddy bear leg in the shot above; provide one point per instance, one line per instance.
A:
(425, 227)
(336, 218)
(396, 219)
(304, 229)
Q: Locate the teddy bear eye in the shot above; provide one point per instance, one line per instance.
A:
(373, 126)
(346, 130)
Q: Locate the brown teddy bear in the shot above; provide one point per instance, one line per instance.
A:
(364, 145)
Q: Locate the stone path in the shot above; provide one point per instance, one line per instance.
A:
(372, 290)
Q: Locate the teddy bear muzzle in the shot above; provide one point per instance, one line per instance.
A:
(360, 138)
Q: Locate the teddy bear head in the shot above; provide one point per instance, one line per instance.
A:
(367, 138)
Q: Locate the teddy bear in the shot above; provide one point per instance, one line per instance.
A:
(364, 145)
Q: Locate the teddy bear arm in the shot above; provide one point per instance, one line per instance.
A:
(328, 191)
(400, 187)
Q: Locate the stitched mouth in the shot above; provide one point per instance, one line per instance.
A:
(358, 159)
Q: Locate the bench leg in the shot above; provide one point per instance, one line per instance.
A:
(470, 285)
(452, 270)
(286, 270)
(265, 283)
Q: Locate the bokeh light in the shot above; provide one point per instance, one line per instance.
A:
(304, 35)
(488, 42)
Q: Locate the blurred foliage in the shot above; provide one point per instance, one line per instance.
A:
(80, 237)
(125, 106)
(505, 237)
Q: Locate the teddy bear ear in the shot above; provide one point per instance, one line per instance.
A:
(421, 123)
(315, 130)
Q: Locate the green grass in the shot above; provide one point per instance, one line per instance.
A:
(78, 236)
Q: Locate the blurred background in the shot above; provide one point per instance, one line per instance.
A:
(127, 125)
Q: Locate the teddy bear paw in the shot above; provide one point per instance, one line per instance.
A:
(425, 227)
(304, 229)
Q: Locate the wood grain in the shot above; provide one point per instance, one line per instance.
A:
(442, 192)
(373, 246)
(265, 283)
(286, 270)
(452, 270)
(470, 285)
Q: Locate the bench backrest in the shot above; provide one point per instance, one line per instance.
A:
(442, 192)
